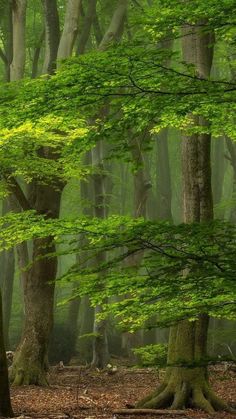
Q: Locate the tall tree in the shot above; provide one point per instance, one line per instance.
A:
(100, 342)
(52, 35)
(70, 29)
(18, 25)
(30, 361)
(186, 381)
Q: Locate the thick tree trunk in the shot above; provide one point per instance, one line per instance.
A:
(30, 361)
(8, 32)
(7, 280)
(18, 25)
(186, 382)
(232, 157)
(7, 290)
(87, 24)
(115, 30)
(5, 403)
(70, 29)
(52, 35)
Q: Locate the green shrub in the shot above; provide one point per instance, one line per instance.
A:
(152, 355)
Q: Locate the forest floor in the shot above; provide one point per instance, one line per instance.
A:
(78, 393)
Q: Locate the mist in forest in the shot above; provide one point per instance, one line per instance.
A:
(118, 182)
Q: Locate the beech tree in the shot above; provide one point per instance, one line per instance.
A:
(125, 88)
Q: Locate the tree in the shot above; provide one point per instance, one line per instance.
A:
(18, 25)
(188, 340)
(139, 92)
(5, 403)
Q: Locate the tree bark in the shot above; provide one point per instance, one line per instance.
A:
(100, 342)
(87, 24)
(7, 280)
(186, 381)
(86, 196)
(218, 169)
(164, 194)
(70, 29)
(36, 56)
(5, 402)
(30, 361)
(115, 29)
(8, 32)
(52, 35)
(142, 185)
(18, 26)
(232, 157)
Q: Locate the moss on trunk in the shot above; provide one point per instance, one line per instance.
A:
(186, 381)
(30, 361)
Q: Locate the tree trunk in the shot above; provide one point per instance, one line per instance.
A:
(8, 271)
(100, 342)
(186, 381)
(8, 32)
(7, 290)
(141, 189)
(115, 30)
(30, 361)
(86, 196)
(5, 402)
(163, 178)
(87, 24)
(218, 170)
(70, 29)
(86, 323)
(36, 55)
(52, 35)
(18, 25)
(232, 157)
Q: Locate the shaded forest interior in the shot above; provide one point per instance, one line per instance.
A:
(118, 208)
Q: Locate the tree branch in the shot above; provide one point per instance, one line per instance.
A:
(18, 193)
(3, 56)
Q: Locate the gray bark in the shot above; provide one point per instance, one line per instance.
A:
(70, 29)
(18, 25)
(164, 193)
(100, 342)
(87, 24)
(52, 35)
(115, 29)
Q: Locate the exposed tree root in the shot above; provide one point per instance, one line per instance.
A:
(179, 394)
(27, 370)
(23, 377)
(157, 412)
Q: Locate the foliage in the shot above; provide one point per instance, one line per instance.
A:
(185, 269)
(135, 88)
(152, 355)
